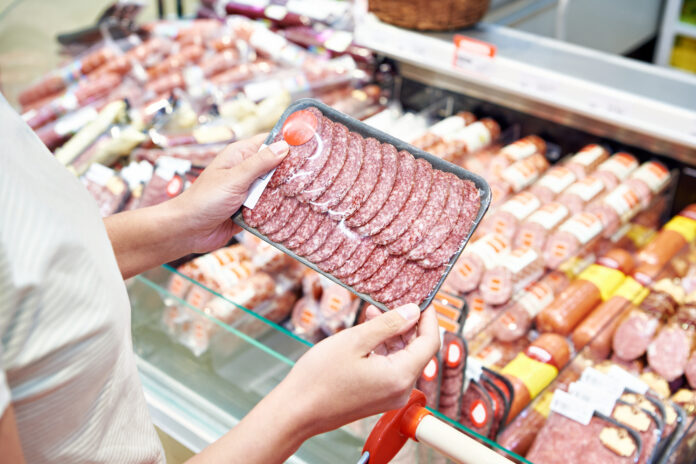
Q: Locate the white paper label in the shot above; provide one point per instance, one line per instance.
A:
(475, 136)
(588, 155)
(474, 369)
(519, 259)
(99, 174)
(257, 187)
(178, 165)
(521, 205)
(536, 297)
(620, 164)
(572, 407)
(557, 179)
(448, 126)
(624, 201)
(655, 175)
(550, 215)
(627, 380)
(520, 174)
(599, 398)
(584, 226)
(490, 248)
(73, 122)
(519, 150)
(601, 381)
(587, 188)
(339, 41)
(266, 41)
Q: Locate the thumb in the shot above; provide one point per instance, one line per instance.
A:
(260, 163)
(396, 322)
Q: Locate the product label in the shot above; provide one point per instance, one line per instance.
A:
(607, 280)
(533, 374)
(572, 407)
(624, 201)
(478, 414)
(521, 205)
(632, 291)
(475, 136)
(597, 397)
(627, 380)
(519, 259)
(266, 41)
(536, 297)
(446, 310)
(99, 174)
(550, 215)
(518, 150)
(448, 126)
(447, 324)
(454, 353)
(520, 174)
(490, 249)
(74, 121)
(601, 381)
(449, 299)
(588, 155)
(654, 174)
(557, 179)
(474, 369)
(684, 226)
(490, 355)
(587, 188)
(584, 226)
(430, 370)
(621, 165)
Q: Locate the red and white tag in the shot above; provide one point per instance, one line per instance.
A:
(471, 46)
(535, 298)
(624, 201)
(521, 174)
(519, 259)
(430, 370)
(550, 215)
(475, 136)
(490, 248)
(654, 174)
(583, 226)
(519, 150)
(454, 354)
(587, 188)
(521, 205)
(588, 155)
(621, 165)
(557, 179)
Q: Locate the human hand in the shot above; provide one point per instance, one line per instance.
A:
(362, 371)
(204, 209)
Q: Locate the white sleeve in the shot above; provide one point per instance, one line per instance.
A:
(7, 292)
(4, 393)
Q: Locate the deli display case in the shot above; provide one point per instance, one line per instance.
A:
(206, 355)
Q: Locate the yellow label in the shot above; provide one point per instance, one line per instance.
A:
(684, 226)
(606, 279)
(543, 406)
(640, 235)
(533, 374)
(632, 291)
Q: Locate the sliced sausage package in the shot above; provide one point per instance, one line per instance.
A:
(429, 382)
(380, 217)
(453, 358)
(478, 408)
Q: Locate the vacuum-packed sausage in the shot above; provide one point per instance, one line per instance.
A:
(483, 254)
(519, 268)
(556, 180)
(534, 231)
(504, 220)
(587, 159)
(581, 230)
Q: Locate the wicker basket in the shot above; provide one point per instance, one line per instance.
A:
(430, 15)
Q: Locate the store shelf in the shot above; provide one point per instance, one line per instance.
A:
(687, 29)
(631, 102)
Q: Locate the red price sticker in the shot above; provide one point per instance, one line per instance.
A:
(477, 47)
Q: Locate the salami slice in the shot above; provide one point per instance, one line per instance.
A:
(297, 154)
(281, 217)
(290, 227)
(377, 258)
(346, 178)
(357, 259)
(470, 207)
(405, 179)
(268, 203)
(328, 174)
(409, 274)
(311, 223)
(338, 234)
(341, 255)
(385, 274)
(421, 289)
(364, 184)
(426, 219)
(313, 164)
(383, 187)
(314, 242)
(438, 233)
(409, 213)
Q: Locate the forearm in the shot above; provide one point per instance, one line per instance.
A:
(270, 433)
(145, 238)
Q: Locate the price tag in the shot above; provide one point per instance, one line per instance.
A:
(472, 54)
(474, 369)
(627, 380)
(572, 407)
(599, 398)
(602, 381)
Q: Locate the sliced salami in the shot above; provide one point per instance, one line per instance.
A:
(297, 154)
(437, 234)
(377, 258)
(405, 179)
(421, 289)
(357, 259)
(341, 255)
(346, 178)
(409, 274)
(268, 203)
(314, 242)
(281, 217)
(311, 223)
(385, 274)
(328, 174)
(313, 165)
(426, 219)
(290, 227)
(414, 205)
(470, 206)
(383, 187)
(364, 184)
(338, 234)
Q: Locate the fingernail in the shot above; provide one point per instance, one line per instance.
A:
(279, 148)
(409, 311)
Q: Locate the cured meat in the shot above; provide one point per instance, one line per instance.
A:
(407, 276)
(377, 258)
(311, 223)
(314, 163)
(364, 184)
(346, 178)
(338, 234)
(281, 217)
(383, 187)
(587, 159)
(290, 227)
(425, 285)
(470, 207)
(504, 220)
(385, 274)
(581, 230)
(404, 183)
(557, 179)
(483, 254)
(534, 231)
(313, 243)
(342, 254)
(520, 268)
(333, 166)
(690, 370)
(669, 352)
(268, 203)
(357, 259)
(297, 154)
(581, 193)
(633, 336)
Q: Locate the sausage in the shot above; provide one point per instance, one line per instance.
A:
(534, 231)
(269, 201)
(619, 206)
(470, 139)
(519, 268)
(482, 254)
(593, 285)
(673, 236)
(616, 169)
(504, 220)
(443, 129)
(551, 184)
(187, 55)
(582, 193)
(581, 230)
(429, 382)
(364, 184)
(301, 130)
(587, 160)
(516, 151)
(653, 175)
(346, 177)
(383, 187)
(690, 370)
(477, 409)
(523, 173)
(669, 352)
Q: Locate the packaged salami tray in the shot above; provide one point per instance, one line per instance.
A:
(378, 216)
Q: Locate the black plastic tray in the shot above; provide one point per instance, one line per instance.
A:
(367, 131)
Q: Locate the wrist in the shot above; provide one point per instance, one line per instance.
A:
(298, 414)
(174, 222)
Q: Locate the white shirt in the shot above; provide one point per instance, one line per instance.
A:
(66, 356)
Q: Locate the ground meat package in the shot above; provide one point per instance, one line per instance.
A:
(370, 212)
